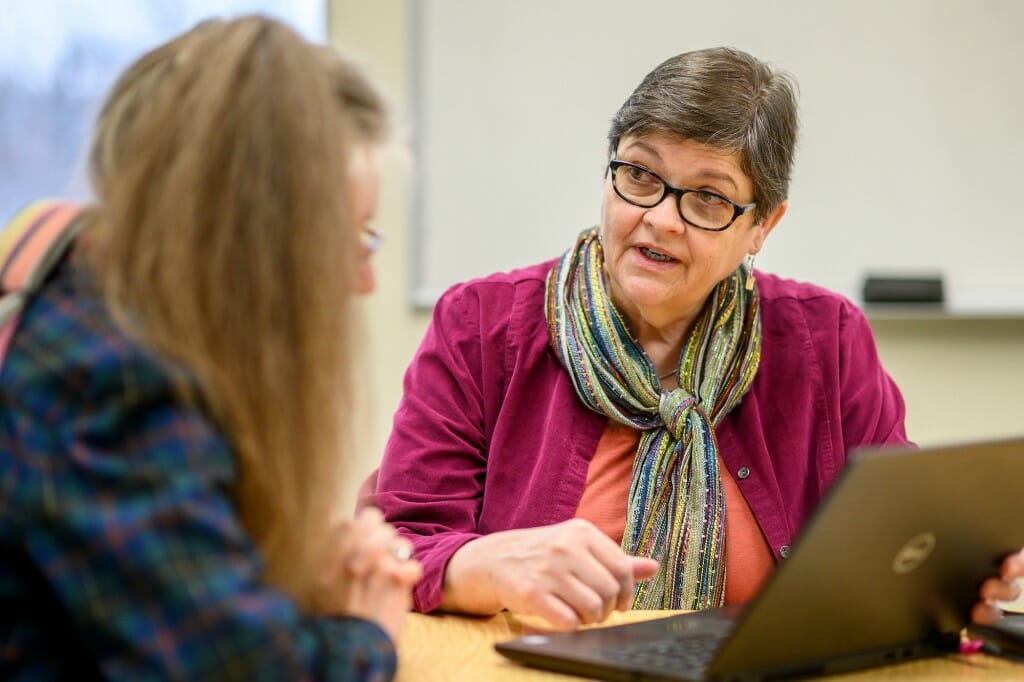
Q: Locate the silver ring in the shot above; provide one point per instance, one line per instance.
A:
(401, 551)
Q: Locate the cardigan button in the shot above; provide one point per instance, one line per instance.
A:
(743, 473)
(784, 551)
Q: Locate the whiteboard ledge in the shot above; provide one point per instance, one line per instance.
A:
(424, 298)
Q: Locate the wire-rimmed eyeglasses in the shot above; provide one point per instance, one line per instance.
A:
(372, 239)
(704, 209)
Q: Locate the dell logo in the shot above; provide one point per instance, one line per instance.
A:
(914, 553)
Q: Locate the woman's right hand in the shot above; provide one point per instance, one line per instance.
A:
(569, 573)
(365, 576)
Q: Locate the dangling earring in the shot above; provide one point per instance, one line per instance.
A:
(748, 265)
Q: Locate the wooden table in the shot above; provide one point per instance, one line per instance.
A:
(450, 647)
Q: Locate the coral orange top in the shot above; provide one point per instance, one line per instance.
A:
(748, 558)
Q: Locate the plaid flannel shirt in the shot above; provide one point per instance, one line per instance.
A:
(121, 551)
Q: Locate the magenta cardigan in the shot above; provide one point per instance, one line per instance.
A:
(490, 435)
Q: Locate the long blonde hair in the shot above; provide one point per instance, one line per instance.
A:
(223, 239)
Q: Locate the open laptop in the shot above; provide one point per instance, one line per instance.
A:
(886, 570)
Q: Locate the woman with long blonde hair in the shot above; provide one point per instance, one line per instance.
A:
(177, 400)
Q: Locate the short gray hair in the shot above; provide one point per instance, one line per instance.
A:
(725, 98)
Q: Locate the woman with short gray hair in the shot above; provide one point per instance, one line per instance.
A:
(646, 421)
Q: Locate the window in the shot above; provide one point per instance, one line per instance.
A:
(58, 58)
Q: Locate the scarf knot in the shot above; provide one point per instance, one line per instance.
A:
(676, 408)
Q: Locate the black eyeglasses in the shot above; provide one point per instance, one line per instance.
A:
(701, 208)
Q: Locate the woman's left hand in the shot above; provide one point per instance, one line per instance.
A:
(1003, 587)
(368, 573)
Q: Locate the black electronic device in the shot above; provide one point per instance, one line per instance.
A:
(903, 289)
(887, 570)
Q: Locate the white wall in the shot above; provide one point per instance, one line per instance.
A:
(909, 144)
(961, 378)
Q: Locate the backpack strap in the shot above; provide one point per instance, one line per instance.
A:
(31, 245)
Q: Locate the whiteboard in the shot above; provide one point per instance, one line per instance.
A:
(908, 159)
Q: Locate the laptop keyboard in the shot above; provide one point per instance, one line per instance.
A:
(685, 652)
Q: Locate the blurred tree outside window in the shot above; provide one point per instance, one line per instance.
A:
(58, 58)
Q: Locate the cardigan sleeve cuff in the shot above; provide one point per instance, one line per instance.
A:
(433, 553)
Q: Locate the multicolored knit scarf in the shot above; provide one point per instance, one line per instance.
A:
(676, 510)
